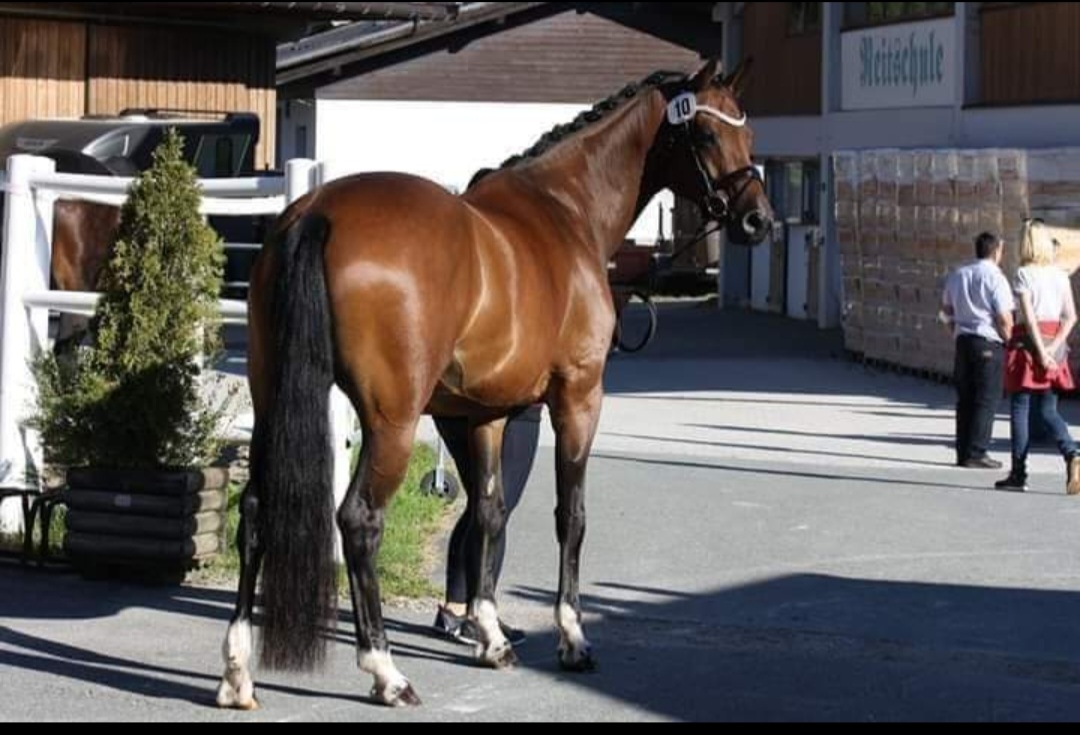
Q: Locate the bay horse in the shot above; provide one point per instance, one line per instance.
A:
(83, 235)
(415, 301)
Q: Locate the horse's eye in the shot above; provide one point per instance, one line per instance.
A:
(705, 138)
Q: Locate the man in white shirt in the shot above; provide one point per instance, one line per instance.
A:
(978, 306)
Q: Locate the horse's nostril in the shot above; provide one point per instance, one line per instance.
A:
(754, 223)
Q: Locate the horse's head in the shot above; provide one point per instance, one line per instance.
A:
(707, 144)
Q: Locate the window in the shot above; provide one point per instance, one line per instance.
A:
(794, 189)
(300, 144)
(224, 165)
(220, 156)
(804, 18)
(871, 14)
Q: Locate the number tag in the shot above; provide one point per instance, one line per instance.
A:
(682, 109)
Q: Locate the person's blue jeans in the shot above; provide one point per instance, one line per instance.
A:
(1044, 406)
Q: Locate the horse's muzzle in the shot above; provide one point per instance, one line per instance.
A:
(756, 226)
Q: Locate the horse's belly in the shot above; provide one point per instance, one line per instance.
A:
(490, 384)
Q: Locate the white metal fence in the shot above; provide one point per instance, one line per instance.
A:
(30, 189)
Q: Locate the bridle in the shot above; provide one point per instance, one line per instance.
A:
(720, 192)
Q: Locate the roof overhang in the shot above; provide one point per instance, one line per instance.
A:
(281, 20)
(349, 51)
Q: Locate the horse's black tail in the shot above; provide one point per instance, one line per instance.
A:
(291, 458)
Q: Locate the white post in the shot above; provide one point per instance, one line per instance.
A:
(342, 423)
(300, 178)
(26, 268)
(44, 201)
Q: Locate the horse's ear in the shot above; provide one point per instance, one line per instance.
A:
(738, 79)
(706, 76)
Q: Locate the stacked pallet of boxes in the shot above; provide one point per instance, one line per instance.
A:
(848, 232)
(906, 219)
(1053, 192)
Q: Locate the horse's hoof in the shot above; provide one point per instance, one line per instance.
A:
(227, 698)
(397, 696)
(502, 660)
(578, 662)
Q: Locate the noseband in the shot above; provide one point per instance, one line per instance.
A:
(720, 192)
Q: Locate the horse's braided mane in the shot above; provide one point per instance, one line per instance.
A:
(598, 112)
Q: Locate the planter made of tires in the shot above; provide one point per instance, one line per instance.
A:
(120, 518)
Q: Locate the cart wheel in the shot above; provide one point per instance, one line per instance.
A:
(636, 324)
(449, 490)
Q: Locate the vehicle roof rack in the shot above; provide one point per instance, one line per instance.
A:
(167, 112)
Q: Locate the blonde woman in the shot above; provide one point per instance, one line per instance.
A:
(1037, 359)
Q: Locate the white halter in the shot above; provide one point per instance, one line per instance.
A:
(685, 108)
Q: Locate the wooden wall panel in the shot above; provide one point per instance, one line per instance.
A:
(195, 69)
(1029, 53)
(42, 69)
(786, 78)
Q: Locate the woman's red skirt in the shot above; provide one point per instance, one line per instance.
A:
(1022, 369)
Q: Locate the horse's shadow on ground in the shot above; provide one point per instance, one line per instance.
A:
(794, 648)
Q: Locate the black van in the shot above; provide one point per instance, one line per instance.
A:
(218, 145)
(122, 145)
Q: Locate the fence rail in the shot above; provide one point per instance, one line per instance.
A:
(30, 187)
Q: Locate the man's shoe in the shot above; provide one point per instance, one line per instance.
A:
(982, 463)
(448, 624)
(1012, 484)
(459, 628)
(1072, 486)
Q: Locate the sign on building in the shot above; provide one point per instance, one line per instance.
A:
(896, 66)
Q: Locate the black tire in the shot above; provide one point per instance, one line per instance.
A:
(635, 331)
(449, 491)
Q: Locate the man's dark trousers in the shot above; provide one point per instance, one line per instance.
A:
(980, 377)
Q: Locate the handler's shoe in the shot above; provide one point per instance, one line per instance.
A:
(1012, 483)
(1072, 486)
(463, 630)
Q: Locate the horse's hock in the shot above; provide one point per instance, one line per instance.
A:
(906, 219)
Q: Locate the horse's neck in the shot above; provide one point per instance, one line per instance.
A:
(599, 180)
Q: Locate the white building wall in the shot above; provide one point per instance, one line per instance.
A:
(445, 142)
(296, 130)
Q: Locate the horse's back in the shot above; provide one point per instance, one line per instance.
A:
(467, 299)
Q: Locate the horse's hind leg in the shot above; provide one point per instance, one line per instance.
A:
(575, 415)
(237, 690)
(384, 460)
(489, 519)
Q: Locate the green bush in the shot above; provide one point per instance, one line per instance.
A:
(132, 399)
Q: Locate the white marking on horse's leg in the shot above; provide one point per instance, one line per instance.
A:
(391, 687)
(237, 690)
(574, 648)
(494, 650)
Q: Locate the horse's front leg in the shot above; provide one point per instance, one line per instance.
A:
(575, 414)
(489, 519)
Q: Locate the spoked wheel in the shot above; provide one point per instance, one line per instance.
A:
(448, 489)
(637, 323)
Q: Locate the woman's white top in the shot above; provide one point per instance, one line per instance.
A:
(1049, 289)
